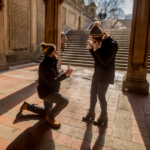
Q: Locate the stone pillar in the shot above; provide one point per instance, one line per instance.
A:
(135, 80)
(77, 21)
(33, 21)
(53, 24)
(3, 64)
(66, 16)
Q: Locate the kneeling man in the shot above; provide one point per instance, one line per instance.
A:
(48, 88)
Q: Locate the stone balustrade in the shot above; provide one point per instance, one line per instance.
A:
(86, 9)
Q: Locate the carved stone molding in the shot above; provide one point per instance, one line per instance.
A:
(61, 1)
(1, 4)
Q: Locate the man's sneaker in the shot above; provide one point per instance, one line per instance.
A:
(24, 106)
(53, 122)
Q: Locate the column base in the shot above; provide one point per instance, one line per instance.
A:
(4, 66)
(136, 86)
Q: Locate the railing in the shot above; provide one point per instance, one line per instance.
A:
(67, 31)
(91, 24)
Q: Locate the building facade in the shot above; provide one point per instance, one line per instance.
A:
(24, 26)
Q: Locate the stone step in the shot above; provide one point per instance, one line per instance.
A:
(124, 62)
(80, 39)
(88, 53)
(117, 62)
(85, 43)
(90, 62)
(81, 48)
(90, 58)
(123, 68)
(114, 37)
(77, 54)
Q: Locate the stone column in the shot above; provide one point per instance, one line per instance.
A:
(33, 21)
(67, 16)
(77, 21)
(3, 64)
(53, 24)
(135, 80)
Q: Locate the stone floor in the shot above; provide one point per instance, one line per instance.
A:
(129, 115)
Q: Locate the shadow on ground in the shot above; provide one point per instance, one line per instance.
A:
(39, 136)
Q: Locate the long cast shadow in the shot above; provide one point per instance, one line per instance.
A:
(39, 136)
(87, 143)
(16, 98)
(140, 113)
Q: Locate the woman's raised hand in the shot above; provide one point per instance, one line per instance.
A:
(96, 45)
(90, 44)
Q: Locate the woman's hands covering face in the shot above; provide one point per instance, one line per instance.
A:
(94, 44)
(90, 44)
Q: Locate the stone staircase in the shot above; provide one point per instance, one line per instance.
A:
(77, 54)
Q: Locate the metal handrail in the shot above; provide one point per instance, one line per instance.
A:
(90, 25)
(67, 31)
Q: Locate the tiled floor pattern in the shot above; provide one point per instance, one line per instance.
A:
(129, 115)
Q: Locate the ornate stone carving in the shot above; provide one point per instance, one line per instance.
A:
(41, 21)
(20, 25)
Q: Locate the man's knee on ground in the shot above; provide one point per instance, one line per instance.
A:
(65, 101)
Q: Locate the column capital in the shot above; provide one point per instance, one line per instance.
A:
(61, 1)
(1, 4)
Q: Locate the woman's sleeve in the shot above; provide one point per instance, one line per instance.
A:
(92, 53)
(104, 60)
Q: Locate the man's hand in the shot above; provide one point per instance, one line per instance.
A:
(68, 72)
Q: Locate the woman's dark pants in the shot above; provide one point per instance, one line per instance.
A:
(98, 89)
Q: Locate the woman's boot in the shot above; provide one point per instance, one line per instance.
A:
(103, 119)
(90, 115)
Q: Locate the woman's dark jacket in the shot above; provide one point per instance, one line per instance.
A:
(49, 77)
(104, 58)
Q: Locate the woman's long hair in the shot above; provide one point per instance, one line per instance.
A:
(100, 39)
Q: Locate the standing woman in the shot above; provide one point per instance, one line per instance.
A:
(103, 48)
(63, 41)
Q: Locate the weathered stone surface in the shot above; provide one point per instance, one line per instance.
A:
(119, 144)
(122, 134)
(149, 130)
(122, 126)
(4, 110)
(41, 144)
(124, 103)
(6, 131)
(123, 115)
(147, 110)
(148, 119)
(11, 113)
(146, 103)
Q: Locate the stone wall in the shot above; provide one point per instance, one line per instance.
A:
(24, 23)
(75, 15)
(116, 24)
(24, 30)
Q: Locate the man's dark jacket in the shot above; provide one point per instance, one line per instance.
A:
(49, 77)
(104, 58)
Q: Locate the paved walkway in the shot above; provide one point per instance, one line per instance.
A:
(129, 115)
